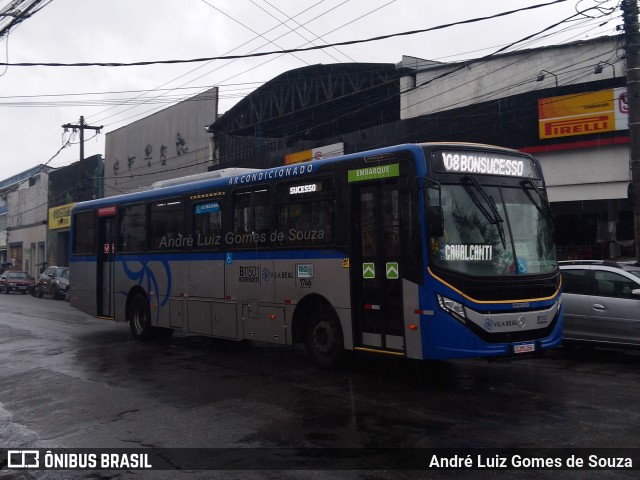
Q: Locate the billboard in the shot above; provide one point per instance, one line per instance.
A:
(583, 113)
(60, 217)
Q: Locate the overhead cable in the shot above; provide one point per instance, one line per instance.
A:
(279, 52)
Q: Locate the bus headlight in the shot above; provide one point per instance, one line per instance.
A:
(451, 306)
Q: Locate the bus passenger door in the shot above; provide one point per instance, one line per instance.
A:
(105, 263)
(376, 276)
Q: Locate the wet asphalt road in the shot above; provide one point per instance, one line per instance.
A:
(68, 380)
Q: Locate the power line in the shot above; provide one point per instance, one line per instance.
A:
(229, 92)
(279, 52)
(456, 68)
(305, 27)
(137, 115)
(251, 29)
(12, 15)
(195, 69)
(244, 85)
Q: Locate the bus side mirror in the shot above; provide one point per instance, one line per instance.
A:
(435, 214)
(435, 220)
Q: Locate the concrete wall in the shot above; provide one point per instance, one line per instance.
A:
(587, 174)
(27, 205)
(444, 87)
(27, 222)
(168, 144)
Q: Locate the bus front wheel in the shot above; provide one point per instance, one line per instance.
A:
(140, 318)
(324, 340)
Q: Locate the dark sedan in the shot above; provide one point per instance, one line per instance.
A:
(16, 282)
(54, 281)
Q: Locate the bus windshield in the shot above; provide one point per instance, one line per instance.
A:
(493, 230)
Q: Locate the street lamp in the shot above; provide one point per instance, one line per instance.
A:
(598, 67)
(540, 76)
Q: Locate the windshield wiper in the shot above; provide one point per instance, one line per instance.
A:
(547, 207)
(492, 215)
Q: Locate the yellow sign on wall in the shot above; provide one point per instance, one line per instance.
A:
(582, 113)
(60, 217)
(315, 154)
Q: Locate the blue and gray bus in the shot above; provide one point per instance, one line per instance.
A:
(423, 251)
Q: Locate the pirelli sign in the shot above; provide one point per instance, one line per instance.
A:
(583, 113)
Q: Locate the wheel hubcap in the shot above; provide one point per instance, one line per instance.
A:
(139, 320)
(324, 337)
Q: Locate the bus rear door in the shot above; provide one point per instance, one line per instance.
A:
(105, 266)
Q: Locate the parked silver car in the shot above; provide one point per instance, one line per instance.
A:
(601, 302)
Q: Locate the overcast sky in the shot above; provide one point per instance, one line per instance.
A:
(36, 101)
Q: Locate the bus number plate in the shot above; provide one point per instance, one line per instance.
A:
(524, 348)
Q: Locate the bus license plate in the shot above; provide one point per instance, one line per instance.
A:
(524, 348)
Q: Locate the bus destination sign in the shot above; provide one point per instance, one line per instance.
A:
(484, 163)
(107, 211)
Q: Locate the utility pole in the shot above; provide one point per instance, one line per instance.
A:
(82, 126)
(632, 50)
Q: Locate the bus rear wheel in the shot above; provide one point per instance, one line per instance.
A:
(139, 317)
(324, 339)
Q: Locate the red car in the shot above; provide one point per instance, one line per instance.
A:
(16, 282)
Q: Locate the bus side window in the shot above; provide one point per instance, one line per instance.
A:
(304, 214)
(252, 218)
(307, 223)
(207, 226)
(166, 225)
(84, 234)
(133, 231)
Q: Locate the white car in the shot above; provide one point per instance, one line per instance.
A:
(601, 302)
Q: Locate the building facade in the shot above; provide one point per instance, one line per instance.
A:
(168, 144)
(7, 186)
(68, 185)
(26, 202)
